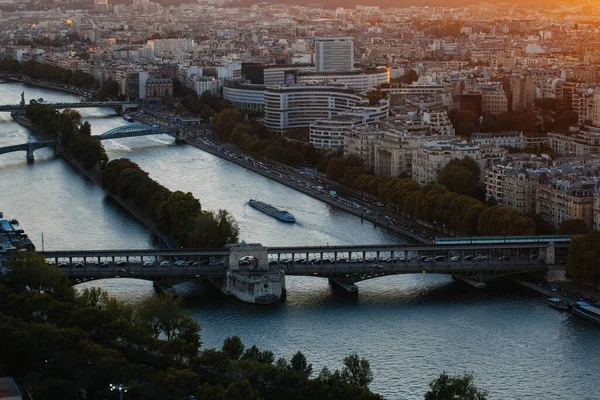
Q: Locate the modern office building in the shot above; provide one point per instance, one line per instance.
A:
(245, 96)
(297, 106)
(334, 54)
(362, 79)
(330, 132)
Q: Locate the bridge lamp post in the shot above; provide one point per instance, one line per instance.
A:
(122, 389)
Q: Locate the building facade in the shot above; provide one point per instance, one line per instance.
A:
(334, 54)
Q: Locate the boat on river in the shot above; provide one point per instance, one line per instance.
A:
(587, 311)
(128, 118)
(281, 215)
(558, 303)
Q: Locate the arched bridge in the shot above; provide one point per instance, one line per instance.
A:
(115, 105)
(125, 131)
(133, 130)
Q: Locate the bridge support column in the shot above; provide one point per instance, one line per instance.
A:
(548, 254)
(260, 285)
(30, 156)
(349, 287)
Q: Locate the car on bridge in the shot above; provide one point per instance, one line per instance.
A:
(79, 265)
(180, 263)
(149, 264)
(122, 264)
(454, 259)
(165, 263)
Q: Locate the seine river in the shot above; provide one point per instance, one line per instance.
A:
(410, 327)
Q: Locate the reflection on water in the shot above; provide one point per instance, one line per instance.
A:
(410, 327)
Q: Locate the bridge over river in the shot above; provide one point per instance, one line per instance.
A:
(118, 106)
(125, 131)
(255, 273)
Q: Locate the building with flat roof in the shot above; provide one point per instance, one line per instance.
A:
(334, 53)
(431, 157)
(297, 106)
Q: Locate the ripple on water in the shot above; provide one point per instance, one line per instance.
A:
(409, 327)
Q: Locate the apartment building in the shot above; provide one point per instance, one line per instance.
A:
(431, 157)
(559, 200)
(514, 139)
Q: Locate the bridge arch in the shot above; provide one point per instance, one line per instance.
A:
(133, 130)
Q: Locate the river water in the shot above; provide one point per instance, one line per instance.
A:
(410, 327)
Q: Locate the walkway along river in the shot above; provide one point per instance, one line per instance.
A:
(410, 327)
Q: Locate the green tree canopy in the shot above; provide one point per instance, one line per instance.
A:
(573, 227)
(447, 387)
(462, 176)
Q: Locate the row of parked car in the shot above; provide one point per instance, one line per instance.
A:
(423, 259)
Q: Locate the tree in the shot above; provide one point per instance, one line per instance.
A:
(233, 347)
(357, 371)
(447, 387)
(573, 227)
(225, 121)
(298, 363)
(29, 271)
(582, 262)
(162, 316)
(462, 176)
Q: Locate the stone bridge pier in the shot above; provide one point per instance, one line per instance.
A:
(253, 283)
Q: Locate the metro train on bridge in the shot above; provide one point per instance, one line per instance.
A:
(503, 239)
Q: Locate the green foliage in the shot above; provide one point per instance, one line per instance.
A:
(108, 90)
(233, 347)
(573, 227)
(582, 262)
(462, 177)
(177, 214)
(505, 221)
(357, 371)
(299, 364)
(64, 342)
(225, 121)
(408, 77)
(75, 135)
(10, 66)
(28, 271)
(447, 387)
(52, 73)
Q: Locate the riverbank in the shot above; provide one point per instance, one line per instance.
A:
(49, 85)
(377, 222)
(95, 175)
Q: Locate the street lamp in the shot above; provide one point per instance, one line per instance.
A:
(122, 389)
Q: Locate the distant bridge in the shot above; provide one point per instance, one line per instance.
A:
(115, 105)
(130, 130)
(343, 265)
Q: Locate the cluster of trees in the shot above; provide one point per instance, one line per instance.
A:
(408, 77)
(554, 116)
(205, 105)
(76, 136)
(462, 177)
(433, 203)
(52, 73)
(10, 66)
(108, 90)
(257, 140)
(64, 343)
(582, 262)
(177, 214)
